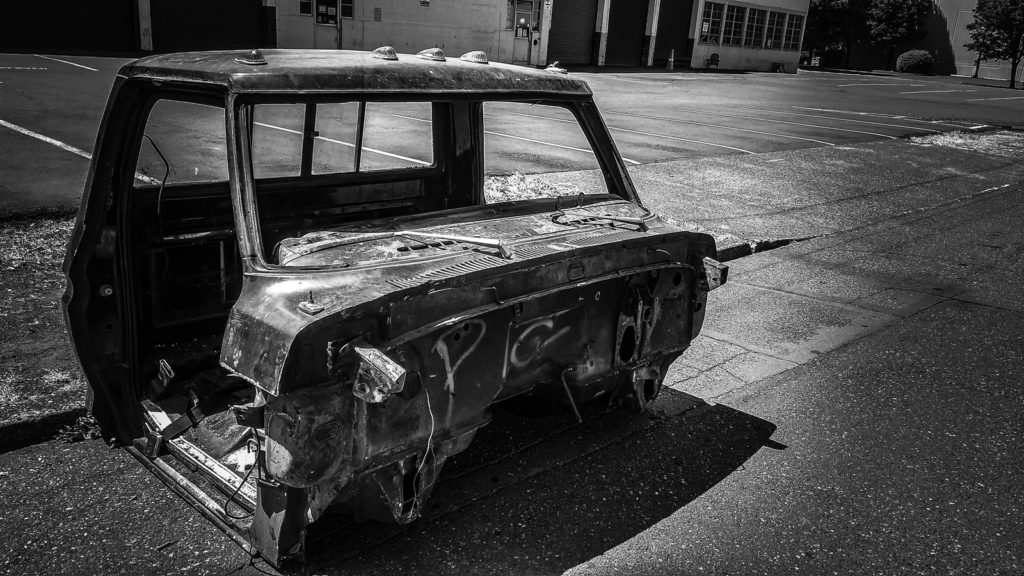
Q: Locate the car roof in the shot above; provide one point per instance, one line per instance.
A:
(348, 71)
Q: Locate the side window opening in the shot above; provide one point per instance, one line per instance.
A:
(186, 267)
(191, 138)
(529, 148)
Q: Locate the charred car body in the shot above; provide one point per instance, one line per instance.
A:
(308, 328)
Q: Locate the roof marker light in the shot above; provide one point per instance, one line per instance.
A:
(432, 54)
(476, 56)
(254, 58)
(384, 53)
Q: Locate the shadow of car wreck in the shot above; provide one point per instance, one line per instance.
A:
(542, 495)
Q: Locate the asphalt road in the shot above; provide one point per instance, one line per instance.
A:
(852, 407)
(887, 441)
(50, 107)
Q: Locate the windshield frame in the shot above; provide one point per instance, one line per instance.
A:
(584, 110)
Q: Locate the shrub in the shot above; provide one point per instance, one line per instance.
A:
(916, 61)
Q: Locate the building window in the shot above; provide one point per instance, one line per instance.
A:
(793, 28)
(524, 17)
(711, 22)
(305, 7)
(773, 33)
(754, 35)
(347, 8)
(732, 32)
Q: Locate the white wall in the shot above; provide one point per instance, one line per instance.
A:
(748, 58)
(456, 26)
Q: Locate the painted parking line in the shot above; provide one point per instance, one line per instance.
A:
(665, 136)
(935, 91)
(584, 150)
(843, 119)
(999, 98)
(552, 144)
(636, 81)
(723, 126)
(68, 148)
(873, 84)
(47, 139)
(348, 144)
(65, 62)
(875, 114)
(757, 119)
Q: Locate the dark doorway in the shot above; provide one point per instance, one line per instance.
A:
(182, 25)
(626, 25)
(69, 26)
(674, 32)
(572, 31)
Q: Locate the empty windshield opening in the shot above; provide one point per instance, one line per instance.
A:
(346, 176)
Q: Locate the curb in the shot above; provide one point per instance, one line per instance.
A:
(845, 71)
(24, 433)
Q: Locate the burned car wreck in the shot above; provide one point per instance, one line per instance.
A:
(291, 293)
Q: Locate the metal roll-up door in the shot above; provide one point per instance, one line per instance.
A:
(572, 31)
(68, 25)
(182, 25)
(626, 25)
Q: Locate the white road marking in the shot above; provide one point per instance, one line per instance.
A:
(68, 148)
(666, 136)
(635, 81)
(591, 152)
(879, 115)
(709, 113)
(935, 91)
(65, 62)
(1000, 98)
(843, 119)
(584, 150)
(47, 139)
(722, 126)
(349, 144)
(887, 84)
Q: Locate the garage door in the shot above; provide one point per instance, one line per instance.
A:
(180, 25)
(572, 31)
(68, 25)
(626, 25)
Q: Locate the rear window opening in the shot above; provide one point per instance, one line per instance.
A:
(352, 167)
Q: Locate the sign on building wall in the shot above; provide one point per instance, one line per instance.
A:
(326, 12)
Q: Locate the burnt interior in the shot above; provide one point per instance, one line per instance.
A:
(187, 271)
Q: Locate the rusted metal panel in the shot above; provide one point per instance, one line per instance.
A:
(348, 370)
(345, 71)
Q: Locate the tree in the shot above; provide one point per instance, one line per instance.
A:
(826, 25)
(997, 32)
(835, 25)
(891, 21)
